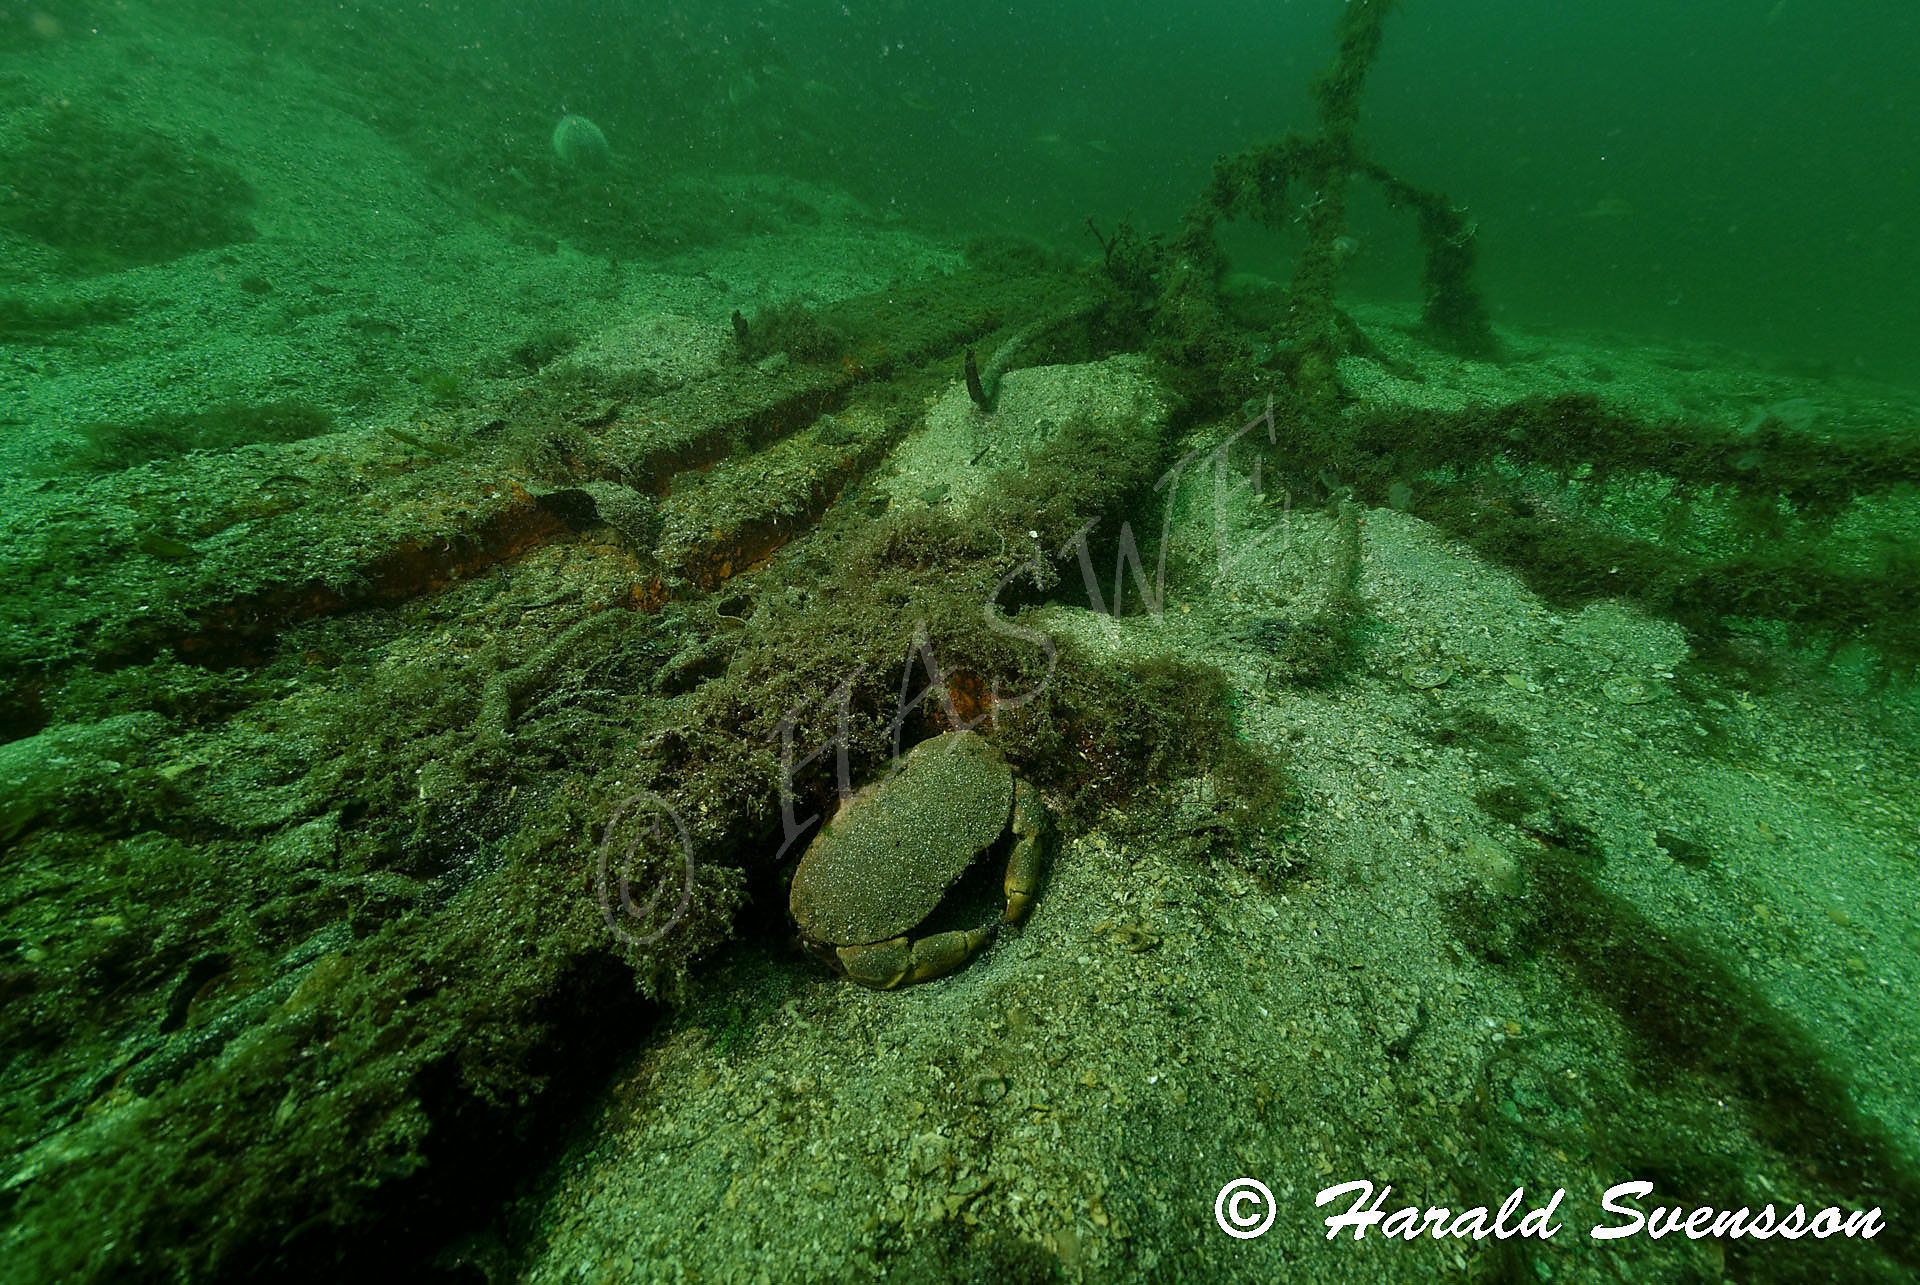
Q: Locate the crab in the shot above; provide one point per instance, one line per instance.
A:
(887, 858)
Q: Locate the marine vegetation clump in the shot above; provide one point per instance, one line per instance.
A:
(49, 321)
(899, 619)
(432, 779)
(1299, 180)
(1089, 468)
(1258, 803)
(342, 1062)
(1140, 724)
(1132, 262)
(1748, 525)
(1717, 1112)
(386, 963)
(1134, 724)
(789, 327)
(902, 609)
(291, 986)
(1452, 310)
(109, 446)
(542, 349)
(111, 196)
(441, 385)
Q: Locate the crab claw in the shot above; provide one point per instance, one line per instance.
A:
(884, 965)
(941, 953)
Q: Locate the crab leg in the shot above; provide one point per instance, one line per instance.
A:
(1027, 861)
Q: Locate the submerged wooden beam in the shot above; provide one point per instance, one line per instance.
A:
(210, 557)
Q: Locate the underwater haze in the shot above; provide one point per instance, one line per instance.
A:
(1738, 171)
(804, 641)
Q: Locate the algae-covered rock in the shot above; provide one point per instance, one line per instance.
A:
(40, 774)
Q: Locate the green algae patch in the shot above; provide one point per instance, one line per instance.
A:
(112, 195)
(110, 446)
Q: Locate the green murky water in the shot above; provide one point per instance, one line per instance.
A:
(1421, 498)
